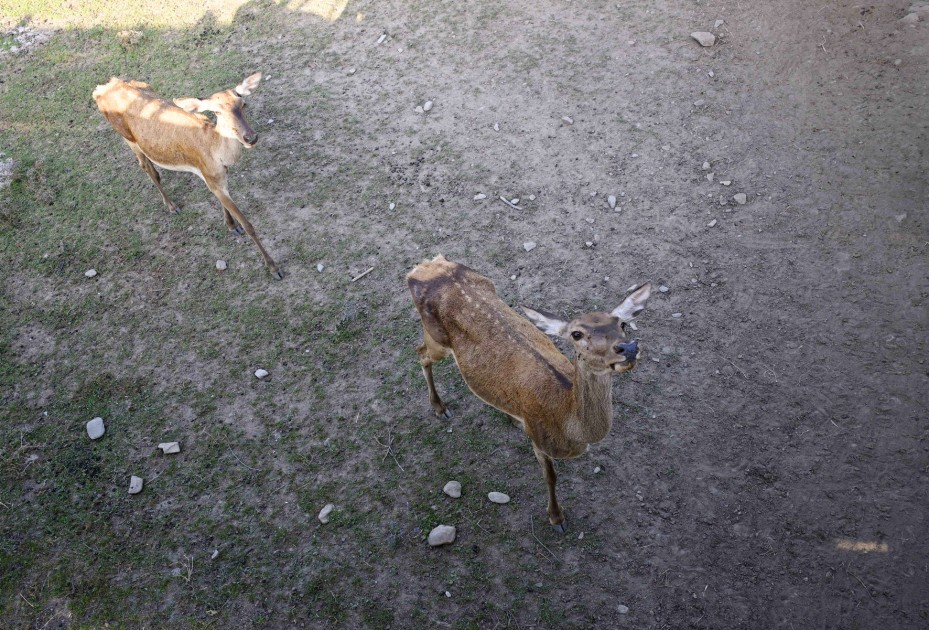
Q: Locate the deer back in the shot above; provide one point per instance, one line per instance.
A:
(503, 358)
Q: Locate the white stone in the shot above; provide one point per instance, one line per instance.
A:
(711, 74)
(221, 265)
(711, 223)
(699, 102)
(380, 40)
(710, 176)
(419, 109)
(622, 610)
(427, 106)
(391, 205)
(718, 23)
(568, 120)
(514, 200)
(663, 289)
(706, 166)
(479, 196)
(597, 469)
(351, 71)
(95, 428)
(90, 273)
(498, 497)
(589, 243)
(442, 535)
(496, 127)
(740, 198)
(725, 182)
(135, 485)
(215, 554)
(169, 448)
(452, 489)
(677, 315)
(325, 512)
(611, 200)
(531, 197)
(320, 267)
(705, 39)
(260, 373)
(529, 246)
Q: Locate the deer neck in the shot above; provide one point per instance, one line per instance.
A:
(593, 400)
(229, 149)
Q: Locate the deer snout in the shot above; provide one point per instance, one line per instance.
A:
(629, 350)
(250, 138)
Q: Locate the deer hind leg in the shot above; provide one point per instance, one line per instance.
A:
(555, 515)
(232, 212)
(429, 352)
(149, 168)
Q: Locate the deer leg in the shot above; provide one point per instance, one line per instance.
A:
(430, 352)
(149, 168)
(232, 211)
(555, 515)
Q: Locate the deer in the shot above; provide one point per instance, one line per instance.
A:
(507, 361)
(177, 136)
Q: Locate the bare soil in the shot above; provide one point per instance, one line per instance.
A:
(769, 461)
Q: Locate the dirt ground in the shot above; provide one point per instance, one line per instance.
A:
(768, 465)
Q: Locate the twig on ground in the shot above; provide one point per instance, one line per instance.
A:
(532, 528)
(31, 605)
(737, 367)
(389, 450)
(509, 203)
(239, 460)
(363, 274)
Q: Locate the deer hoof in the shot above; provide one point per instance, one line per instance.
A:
(174, 209)
(277, 274)
(445, 413)
(561, 528)
(237, 231)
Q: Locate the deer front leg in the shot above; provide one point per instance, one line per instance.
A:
(149, 168)
(430, 352)
(555, 515)
(218, 188)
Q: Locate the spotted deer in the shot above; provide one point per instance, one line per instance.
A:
(177, 136)
(562, 405)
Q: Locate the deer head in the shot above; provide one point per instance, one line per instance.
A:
(229, 106)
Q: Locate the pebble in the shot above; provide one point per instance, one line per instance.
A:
(622, 610)
(706, 166)
(452, 489)
(90, 273)
(597, 469)
(351, 71)
(325, 512)
(135, 485)
(611, 200)
(380, 40)
(169, 448)
(427, 106)
(442, 535)
(718, 23)
(663, 289)
(580, 536)
(320, 267)
(479, 196)
(740, 198)
(215, 554)
(699, 102)
(95, 428)
(711, 74)
(391, 205)
(419, 109)
(677, 315)
(589, 243)
(498, 497)
(260, 373)
(711, 223)
(568, 120)
(531, 197)
(710, 176)
(725, 182)
(221, 265)
(514, 200)
(448, 594)
(529, 246)
(496, 127)
(705, 39)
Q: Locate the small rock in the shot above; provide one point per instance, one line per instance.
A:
(663, 289)
(452, 489)
(90, 273)
(498, 497)
(513, 277)
(260, 373)
(448, 594)
(635, 155)
(596, 469)
(677, 315)
(589, 243)
(711, 74)
(705, 39)
(710, 176)
(612, 201)
(221, 265)
(320, 267)
(479, 196)
(350, 71)
(718, 23)
(897, 62)
(215, 554)
(496, 127)
(699, 102)
(711, 223)
(706, 166)
(667, 350)
(95, 428)
(531, 197)
(427, 106)
(135, 485)
(725, 182)
(442, 535)
(325, 512)
(900, 217)
(514, 200)
(910, 18)
(568, 120)
(740, 198)
(529, 246)
(391, 205)
(419, 109)
(622, 610)
(169, 448)
(380, 40)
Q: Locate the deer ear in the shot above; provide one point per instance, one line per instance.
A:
(546, 322)
(248, 85)
(192, 105)
(634, 304)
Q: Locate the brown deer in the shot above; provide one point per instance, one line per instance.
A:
(562, 406)
(177, 136)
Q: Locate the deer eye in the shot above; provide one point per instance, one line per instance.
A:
(577, 335)
(623, 326)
